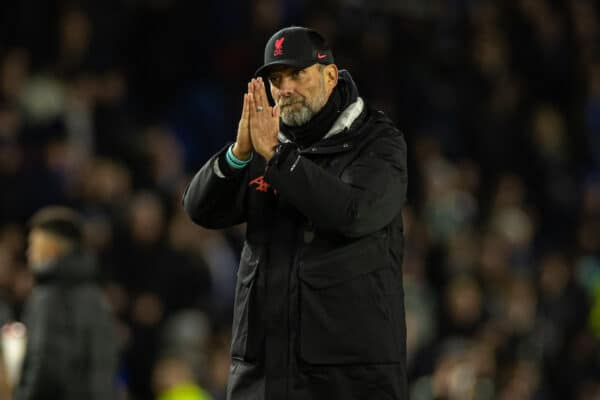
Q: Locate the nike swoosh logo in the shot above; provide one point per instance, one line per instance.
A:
(321, 56)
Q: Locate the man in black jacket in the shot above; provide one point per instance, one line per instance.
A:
(320, 180)
(71, 344)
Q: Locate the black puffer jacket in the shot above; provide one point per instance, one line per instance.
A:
(319, 301)
(71, 347)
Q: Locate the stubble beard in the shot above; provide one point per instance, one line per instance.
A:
(300, 115)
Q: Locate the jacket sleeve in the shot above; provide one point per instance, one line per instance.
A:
(367, 197)
(37, 375)
(215, 197)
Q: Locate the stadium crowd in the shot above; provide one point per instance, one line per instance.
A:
(111, 106)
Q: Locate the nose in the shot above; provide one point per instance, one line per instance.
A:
(286, 87)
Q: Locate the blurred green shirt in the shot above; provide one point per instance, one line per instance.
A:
(185, 392)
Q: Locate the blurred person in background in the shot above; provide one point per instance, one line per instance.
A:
(71, 346)
(320, 179)
(463, 371)
(186, 336)
(174, 380)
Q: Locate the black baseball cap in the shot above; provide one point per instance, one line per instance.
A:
(295, 46)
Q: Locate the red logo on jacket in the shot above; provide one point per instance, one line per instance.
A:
(279, 46)
(263, 186)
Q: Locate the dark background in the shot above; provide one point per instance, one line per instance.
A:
(111, 106)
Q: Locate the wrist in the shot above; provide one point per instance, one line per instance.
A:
(239, 154)
(233, 161)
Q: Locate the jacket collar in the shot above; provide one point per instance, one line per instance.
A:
(346, 118)
(341, 124)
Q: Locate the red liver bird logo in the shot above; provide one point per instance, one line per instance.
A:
(279, 46)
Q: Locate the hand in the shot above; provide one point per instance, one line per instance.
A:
(243, 142)
(264, 121)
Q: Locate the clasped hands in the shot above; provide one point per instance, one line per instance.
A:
(259, 124)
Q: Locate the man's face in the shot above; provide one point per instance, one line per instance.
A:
(300, 92)
(42, 248)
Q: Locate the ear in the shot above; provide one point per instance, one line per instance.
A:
(331, 75)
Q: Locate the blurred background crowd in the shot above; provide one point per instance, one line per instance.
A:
(111, 106)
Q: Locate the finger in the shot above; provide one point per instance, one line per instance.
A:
(253, 119)
(276, 112)
(256, 88)
(251, 86)
(255, 106)
(251, 105)
(262, 93)
(247, 105)
(245, 110)
(255, 92)
(258, 93)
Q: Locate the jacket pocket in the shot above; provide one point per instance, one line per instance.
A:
(241, 340)
(351, 308)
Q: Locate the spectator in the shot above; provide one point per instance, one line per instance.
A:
(173, 380)
(71, 348)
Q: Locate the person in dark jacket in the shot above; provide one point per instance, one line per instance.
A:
(320, 179)
(71, 343)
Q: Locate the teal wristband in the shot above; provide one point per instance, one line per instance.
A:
(235, 162)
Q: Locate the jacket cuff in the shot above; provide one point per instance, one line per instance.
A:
(221, 167)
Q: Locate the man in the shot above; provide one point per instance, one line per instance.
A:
(71, 346)
(320, 179)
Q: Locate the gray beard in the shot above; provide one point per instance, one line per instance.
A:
(307, 110)
(297, 117)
